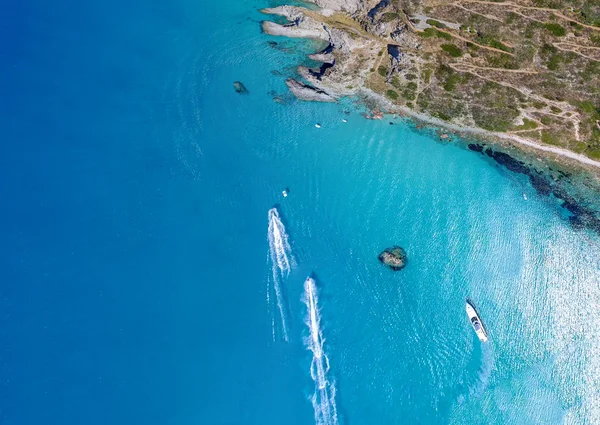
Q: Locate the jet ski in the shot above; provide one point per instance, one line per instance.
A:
(476, 322)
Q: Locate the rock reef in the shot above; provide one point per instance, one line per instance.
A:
(240, 87)
(394, 258)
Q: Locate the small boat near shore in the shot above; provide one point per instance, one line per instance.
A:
(476, 322)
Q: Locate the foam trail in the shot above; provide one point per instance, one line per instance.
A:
(485, 372)
(323, 399)
(281, 263)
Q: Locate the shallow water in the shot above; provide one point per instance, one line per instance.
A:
(137, 271)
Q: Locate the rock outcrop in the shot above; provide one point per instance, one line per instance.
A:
(305, 92)
(294, 31)
(240, 87)
(300, 25)
(351, 55)
(394, 258)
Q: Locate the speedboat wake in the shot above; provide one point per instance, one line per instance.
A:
(323, 399)
(280, 254)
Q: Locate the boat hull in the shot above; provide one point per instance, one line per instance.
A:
(479, 330)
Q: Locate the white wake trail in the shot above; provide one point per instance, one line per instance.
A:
(323, 399)
(282, 262)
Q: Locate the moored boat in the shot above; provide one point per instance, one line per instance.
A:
(476, 322)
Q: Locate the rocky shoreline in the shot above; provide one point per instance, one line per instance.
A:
(357, 44)
(369, 37)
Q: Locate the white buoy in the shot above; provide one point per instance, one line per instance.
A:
(318, 125)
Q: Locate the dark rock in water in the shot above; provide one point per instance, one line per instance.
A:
(540, 184)
(508, 161)
(394, 258)
(240, 87)
(272, 43)
(580, 216)
(475, 147)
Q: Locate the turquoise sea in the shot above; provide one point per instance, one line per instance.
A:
(145, 278)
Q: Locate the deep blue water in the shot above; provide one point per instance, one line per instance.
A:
(135, 268)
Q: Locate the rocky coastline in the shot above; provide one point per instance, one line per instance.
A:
(377, 48)
(373, 45)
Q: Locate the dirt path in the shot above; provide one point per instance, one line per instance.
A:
(483, 46)
(514, 71)
(579, 50)
(565, 107)
(507, 136)
(555, 12)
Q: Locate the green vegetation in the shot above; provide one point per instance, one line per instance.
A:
(409, 95)
(411, 85)
(498, 60)
(435, 23)
(452, 50)
(451, 82)
(492, 42)
(389, 17)
(442, 116)
(554, 63)
(552, 57)
(556, 29)
(527, 125)
(510, 18)
(427, 75)
(555, 109)
(550, 138)
(550, 4)
(590, 13)
(499, 111)
(411, 77)
(382, 70)
(391, 94)
(590, 108)
(432, 32)
(593, 153)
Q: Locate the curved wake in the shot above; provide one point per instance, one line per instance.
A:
(282, 262)
(323, 399)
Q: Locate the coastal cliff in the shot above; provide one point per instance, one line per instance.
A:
(527, 71)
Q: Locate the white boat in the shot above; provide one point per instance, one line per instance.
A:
(476, 322)
(284, 193)
(318, 125)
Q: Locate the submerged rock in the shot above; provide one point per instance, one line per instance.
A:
(240, 87)
(394, 258)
